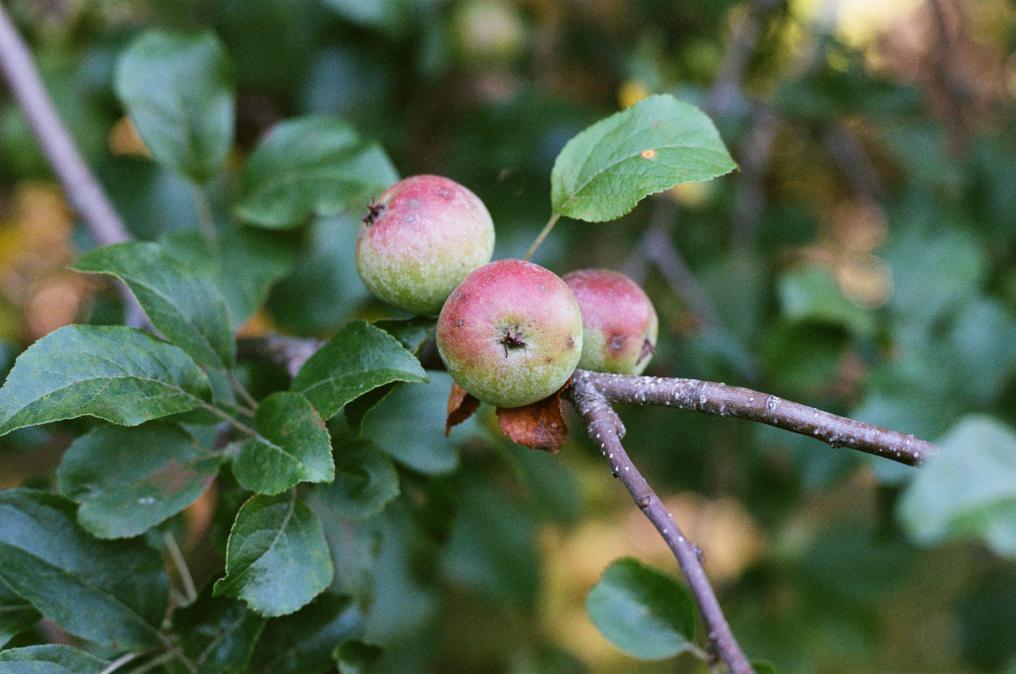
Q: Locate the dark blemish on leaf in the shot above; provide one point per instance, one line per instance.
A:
(374, 211)
(617, 342)
(171, 478)
(648, 154)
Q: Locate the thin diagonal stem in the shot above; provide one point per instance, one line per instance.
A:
(243, 392)
(233, 421)
(83, 190)
(155, 663)
(191, 592)
(119, 662)
(205, 217)
(542, 235)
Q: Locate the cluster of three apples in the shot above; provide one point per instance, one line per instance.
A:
(509, 332)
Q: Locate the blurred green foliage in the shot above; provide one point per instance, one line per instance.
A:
(863, 261)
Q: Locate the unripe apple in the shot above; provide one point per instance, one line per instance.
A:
(619, 321)
(488, 32)
(420, 238)
(511, 333)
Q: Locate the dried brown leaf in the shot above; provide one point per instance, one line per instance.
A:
(540, 425)
(461, 405)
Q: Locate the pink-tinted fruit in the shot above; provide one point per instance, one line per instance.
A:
(511, 333)
(619, 321)
(420, 238)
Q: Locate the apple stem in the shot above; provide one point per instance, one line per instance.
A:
(543, 235)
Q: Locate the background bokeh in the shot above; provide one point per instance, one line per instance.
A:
(862, 260)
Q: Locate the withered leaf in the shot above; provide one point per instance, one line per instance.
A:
(540, 425)
(461, 405)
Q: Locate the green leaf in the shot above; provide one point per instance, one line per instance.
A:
(243, 263)
(128, 480)
(218, 635)
(979, 348)
(812, 295)
(492, 547)
(354, 545)
(553, 485)
(315, 165)
(642, 611)
(110, 593)
(365, 483)
(848, 560)
(389, 15)
(293, 446)
(357, 657)
(118, 374)
(937, 262)
(178, 91)
(185, 307)
(302, 643)
(79, 103)
(603, 172)
(16, 614)
(401, 601)
(967, 489)
(357, 409)
(546, 659)
(409, 426)
(411, 332)
(359, 358)
(322, 292)
(150, 198)
(50, 659)
(277, 559)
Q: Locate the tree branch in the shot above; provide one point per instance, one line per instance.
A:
(288, 352)
(856, 165)
(83, 190)
(957, 93)
(688, 394)
(754, 157)
(657, 247)
(726, 95)
(734, 401)
(606, 429)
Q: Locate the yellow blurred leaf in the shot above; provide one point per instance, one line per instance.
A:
(125, 140)
(631, 92)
